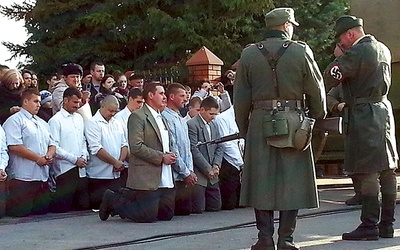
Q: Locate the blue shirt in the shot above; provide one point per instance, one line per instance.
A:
(180, 141)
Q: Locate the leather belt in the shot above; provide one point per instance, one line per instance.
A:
(279, 104)
(370, 99)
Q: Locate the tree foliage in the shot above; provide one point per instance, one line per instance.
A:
(143, 35)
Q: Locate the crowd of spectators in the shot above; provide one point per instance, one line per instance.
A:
(75, 145)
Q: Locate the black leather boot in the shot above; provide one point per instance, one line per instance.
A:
(287, 225)
(265, 226)
(387, 216)
(355, 200)
(368, 229)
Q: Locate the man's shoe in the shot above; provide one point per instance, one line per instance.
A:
(105, 206)
(362, 233)
(355, 200)
(386, 231)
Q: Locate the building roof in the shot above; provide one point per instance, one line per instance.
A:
(204, 56)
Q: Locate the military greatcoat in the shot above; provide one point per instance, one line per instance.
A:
(276, 178)
(365, 73)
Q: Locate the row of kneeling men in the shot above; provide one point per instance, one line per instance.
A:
(143, 163)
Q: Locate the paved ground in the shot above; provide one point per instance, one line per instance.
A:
(317, 229)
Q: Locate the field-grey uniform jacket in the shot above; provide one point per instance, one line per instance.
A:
(276, 178)
(365, 73)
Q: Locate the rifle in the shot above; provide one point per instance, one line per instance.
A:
(220, 140)
(330, 124)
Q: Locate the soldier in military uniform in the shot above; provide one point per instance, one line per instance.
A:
(280, 179)
(336, 104)
(363, 66)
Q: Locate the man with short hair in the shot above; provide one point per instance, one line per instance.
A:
(52, 81)
(97, 70)
(72, 74)
(194, 108)
(183, 111)
(362, 67)
(150, 193)
(206, 89)
(31, 150)
(273, 78)
(135, 102)
(107, 148)
(207, 159)
(135, 81)
(67, 129)
(184, 176)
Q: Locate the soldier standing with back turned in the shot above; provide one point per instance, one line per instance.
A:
(363, 66)
(277, 179)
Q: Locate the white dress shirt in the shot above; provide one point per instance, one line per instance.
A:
(67, 131)
(207, 127)
(3, 150)
(109, 136)
(187, 117)
(227, 125)
(34, 133)
(123, 116)
(166, 171)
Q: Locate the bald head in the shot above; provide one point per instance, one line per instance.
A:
(110, 100)
(109, 107)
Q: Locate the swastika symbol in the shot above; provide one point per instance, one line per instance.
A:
(335, 73)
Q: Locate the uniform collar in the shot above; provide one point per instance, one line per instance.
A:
(275, 34)
(358, 40)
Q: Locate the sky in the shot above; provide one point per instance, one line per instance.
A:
(11, 31)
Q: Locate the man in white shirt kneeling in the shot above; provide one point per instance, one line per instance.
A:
(67, 129)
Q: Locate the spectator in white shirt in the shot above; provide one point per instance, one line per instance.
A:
(135, 102)
(232, 162)
(31, 150)
(67, 129)
(3, 174)
(217, 91)
(108, 150)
